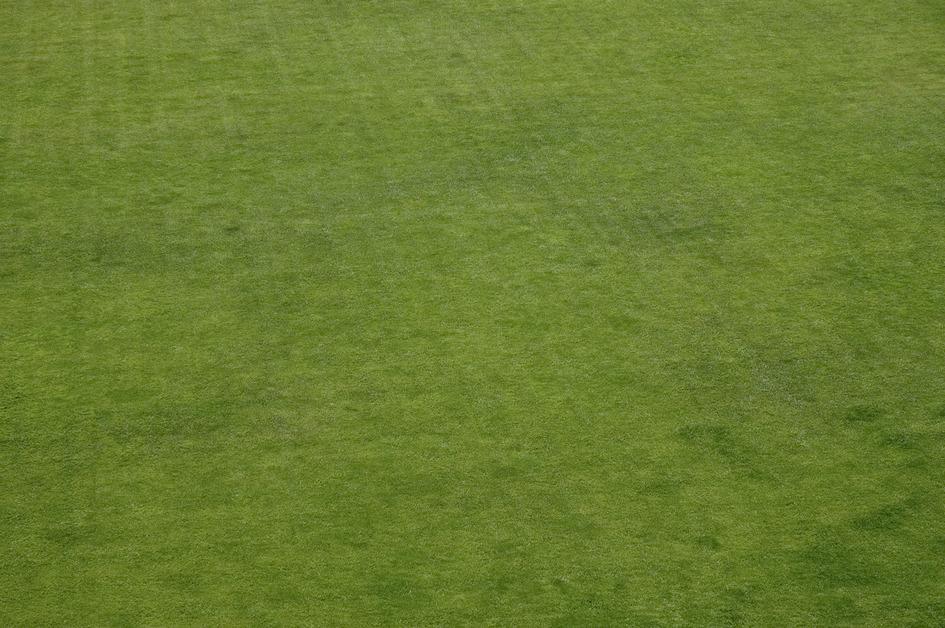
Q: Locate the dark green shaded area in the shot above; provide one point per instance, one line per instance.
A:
(511, 313)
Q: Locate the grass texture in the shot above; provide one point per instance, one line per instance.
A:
(496, 312)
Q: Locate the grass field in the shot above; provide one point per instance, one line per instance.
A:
(496, 312)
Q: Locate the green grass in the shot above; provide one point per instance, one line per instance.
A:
(497, 312)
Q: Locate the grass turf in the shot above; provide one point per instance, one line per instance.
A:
(497, 312)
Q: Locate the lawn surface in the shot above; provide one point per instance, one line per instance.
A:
(509, 312)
